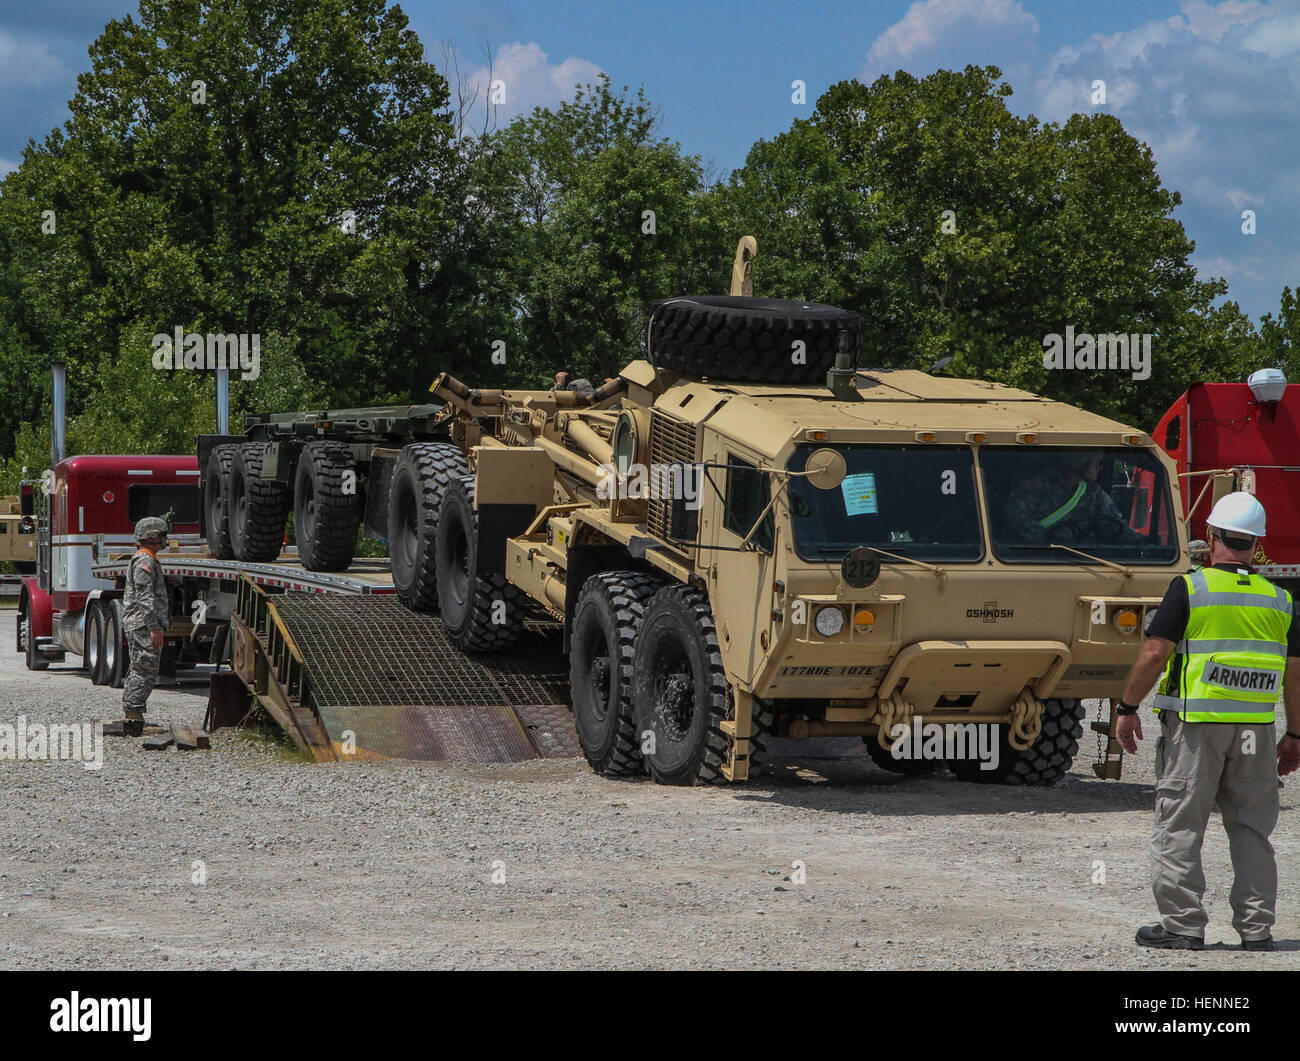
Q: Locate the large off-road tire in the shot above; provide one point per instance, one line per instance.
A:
(258, 507)
(1045, 762)
(94, 642)
(602, 644)
(480, 612)
(762, 724)
(216, 500)
(117, 661)
(326, 516)
(908, 767)
(420, 478)
(679, 690)
(730, 337)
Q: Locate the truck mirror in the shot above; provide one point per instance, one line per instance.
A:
(826, 468)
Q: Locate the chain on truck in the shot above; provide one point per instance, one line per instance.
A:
(746, 537)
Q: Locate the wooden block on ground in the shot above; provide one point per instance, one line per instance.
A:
(159, 742)
(188, 738)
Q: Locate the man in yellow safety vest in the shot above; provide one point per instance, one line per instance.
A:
(1225, 644)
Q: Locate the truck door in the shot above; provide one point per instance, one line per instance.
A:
(739, 581)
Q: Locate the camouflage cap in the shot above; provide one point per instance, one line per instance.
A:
(150, 527)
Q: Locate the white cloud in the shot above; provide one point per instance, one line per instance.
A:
(1213, 90)
(28, 63)
(932, 29)
(530, 79)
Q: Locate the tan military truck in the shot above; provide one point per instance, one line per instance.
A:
(745, 537)
(18, 532)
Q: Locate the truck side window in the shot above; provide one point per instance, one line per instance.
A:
(748, 493)
(149, 500)
(1174, 433)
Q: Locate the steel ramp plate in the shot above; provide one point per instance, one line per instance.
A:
(392, 680)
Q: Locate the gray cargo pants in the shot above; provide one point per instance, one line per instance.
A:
(1197, 765)
(143, 675)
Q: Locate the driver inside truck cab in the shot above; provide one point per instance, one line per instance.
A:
(1066, 505)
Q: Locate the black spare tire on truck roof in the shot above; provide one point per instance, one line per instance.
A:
(745, 339)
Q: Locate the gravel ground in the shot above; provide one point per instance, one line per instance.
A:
(392, 865)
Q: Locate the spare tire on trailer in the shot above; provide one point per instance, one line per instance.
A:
(258, 507)
(755, 340)
(216, 501)
(326, 506)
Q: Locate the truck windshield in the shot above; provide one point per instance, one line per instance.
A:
(916, 501)
(1111, 503)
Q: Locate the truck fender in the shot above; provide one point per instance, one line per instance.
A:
(37, 607)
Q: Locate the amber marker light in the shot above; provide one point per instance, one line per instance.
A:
(1126, 621)
(864, 619)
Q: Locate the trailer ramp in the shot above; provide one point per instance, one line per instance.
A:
(363, 677)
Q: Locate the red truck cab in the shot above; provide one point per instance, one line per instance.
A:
(1250, 433)
(90, 512)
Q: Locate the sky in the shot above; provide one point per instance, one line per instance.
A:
(1213, 88)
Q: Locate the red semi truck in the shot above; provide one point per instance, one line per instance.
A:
(1241, 436)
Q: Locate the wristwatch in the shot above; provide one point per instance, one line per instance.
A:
(1123, 708)
(1293, 736)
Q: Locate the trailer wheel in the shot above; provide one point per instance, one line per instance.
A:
(602, 644)
(35, 661)
(679, 690)
(216, 498)
(258, 507)
(325, 515)
(116, 655)
(1044, 762)
(731, 337)
(94, 642)
(420, 478)
(481, 613)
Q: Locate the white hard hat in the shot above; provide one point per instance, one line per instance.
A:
(1238, 513)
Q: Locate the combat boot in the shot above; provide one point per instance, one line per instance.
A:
(133, 725)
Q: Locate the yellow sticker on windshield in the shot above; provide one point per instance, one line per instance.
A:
(860, 494)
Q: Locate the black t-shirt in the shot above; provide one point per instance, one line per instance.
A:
(1171, 617)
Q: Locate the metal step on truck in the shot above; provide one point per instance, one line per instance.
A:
(745, 536)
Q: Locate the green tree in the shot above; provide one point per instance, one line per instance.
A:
(958, 229)
(257, 166)
(613, 216)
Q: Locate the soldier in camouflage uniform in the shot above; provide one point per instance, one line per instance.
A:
(1049, 508)
(146, 614)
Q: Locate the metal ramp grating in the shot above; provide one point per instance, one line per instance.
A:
(392, 677)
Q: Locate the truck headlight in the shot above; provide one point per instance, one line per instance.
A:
(829, 622)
